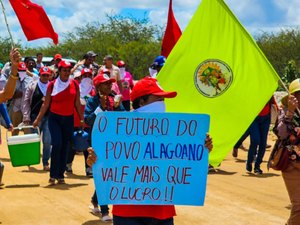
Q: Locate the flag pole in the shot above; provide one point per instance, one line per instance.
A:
(11, 38)
(283, 85)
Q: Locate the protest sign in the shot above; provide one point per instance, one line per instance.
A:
(150, 158)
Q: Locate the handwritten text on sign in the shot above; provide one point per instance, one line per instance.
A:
(150, 158)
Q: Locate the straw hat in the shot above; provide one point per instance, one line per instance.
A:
(294, 87)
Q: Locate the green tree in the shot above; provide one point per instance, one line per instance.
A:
(135, 41)
(290, 72)
(281, 47)
(5, 46)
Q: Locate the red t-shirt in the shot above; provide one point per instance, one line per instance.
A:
(154, 211)
(267, 109)
(63, 103)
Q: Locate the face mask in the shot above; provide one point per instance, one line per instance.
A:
(122, 72)
(152, 72)
(85, 86)
(86, 81)
(158, 106)
(22, 75)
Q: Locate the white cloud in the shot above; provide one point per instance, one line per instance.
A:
(247, 9)
(292, 9)
(82, 12)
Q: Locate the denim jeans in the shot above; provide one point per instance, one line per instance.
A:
(258, 139)
(61, 130)
(104, 208)
(242, 139)
(141, 221)
(46, 139)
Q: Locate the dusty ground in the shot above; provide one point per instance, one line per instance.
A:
(233, 197)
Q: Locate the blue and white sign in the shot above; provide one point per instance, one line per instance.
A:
(150, 158)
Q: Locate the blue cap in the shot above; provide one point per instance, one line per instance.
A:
(160, 60)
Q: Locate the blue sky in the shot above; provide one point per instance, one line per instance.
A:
(256, 15)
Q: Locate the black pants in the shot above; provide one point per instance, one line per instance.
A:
(104, 208)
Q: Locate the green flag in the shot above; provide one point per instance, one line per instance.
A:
(217, 69)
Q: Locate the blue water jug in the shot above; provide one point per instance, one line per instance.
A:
(80, 140)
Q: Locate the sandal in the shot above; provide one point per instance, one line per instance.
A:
(46, 168)
(95, 210)
(106, 218)
(51, 181)
(61, 181)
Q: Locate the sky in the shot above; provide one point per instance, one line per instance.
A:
(257, 16)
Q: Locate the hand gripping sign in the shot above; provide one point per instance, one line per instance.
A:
(150, 158)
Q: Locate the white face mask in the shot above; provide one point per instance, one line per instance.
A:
(158, 106)
(152, 72)
(85, 86)
(22, 75)
(122, 72)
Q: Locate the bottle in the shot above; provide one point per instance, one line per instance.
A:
(1, 172)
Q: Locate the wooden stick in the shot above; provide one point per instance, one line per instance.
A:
(11, 38)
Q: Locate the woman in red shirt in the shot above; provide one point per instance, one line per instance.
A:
(61, 97)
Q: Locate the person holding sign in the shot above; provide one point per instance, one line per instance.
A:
(104, 100)
(146, 96)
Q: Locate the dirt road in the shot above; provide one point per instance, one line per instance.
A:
(233, 197)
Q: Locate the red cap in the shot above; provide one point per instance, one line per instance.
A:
(101, 78)
(45, 70)
(57, 56)
(22, 66)
(64, 64)
(147, 86)
(120, 63)
(86, 70)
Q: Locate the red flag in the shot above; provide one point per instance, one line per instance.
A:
(172, 33)
(34, 21)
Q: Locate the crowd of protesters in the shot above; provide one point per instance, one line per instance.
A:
(55, 98)
(63, 98)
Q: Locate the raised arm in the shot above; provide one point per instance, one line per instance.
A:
(10, 86)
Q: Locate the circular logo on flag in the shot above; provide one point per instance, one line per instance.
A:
(213, 77)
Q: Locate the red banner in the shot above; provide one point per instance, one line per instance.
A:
(34, 20)
(172, 33)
